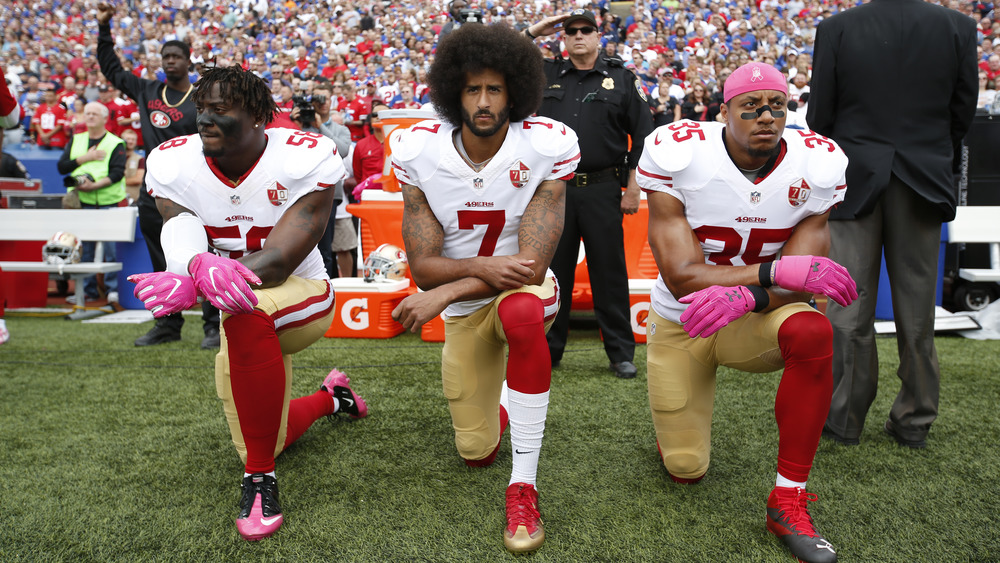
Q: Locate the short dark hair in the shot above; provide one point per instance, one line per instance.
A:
(184, 47)
(239, 87)
(474, 48)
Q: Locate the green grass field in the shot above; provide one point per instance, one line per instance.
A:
(113, 453)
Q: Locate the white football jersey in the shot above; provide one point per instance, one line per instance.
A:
(480, 212)
(238, 218)
(738, 222)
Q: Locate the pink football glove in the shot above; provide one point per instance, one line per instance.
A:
(164, 293)
(816, 274)
(223, 282)
(714, 307)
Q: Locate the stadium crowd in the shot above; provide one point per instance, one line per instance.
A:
(681, 50)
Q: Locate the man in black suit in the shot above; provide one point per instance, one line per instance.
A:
(894, 83)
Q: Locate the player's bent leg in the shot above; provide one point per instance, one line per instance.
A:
(681, 383)
(472, 377)
(257, 378)
(803, 398)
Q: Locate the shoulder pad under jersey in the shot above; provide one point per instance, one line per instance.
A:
(166, 162)
(407, 144)
(418, 148)
(825, 162)
(299, 163)
(687, 149)
(548, 136)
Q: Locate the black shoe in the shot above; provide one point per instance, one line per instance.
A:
(789, 519)
(211, 339)
(260, 515)
(831, 435)
(624, 370)
(915, 444)
(159, 334)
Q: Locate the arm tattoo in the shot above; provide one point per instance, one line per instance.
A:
(422, 233)
(543, 219)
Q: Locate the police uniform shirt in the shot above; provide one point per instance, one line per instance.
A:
(604, 105)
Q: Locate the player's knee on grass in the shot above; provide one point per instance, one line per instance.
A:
(473, 437)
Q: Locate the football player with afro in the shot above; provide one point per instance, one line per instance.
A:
(738, 227)
(263, 198)
(484, 202)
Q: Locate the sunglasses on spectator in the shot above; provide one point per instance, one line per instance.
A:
(586, 30)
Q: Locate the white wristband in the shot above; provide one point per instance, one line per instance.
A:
(182, 238)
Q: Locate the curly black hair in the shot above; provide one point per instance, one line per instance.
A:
(474, 48)
(238, 87)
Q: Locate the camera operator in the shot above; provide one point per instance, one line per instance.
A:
(460, 13)
(313, 114)
(95, 159)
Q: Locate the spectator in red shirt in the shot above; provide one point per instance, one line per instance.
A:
(355, 109)
(49, 123)
(369, 153)
(406, 100)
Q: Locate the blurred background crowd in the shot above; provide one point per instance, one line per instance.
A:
(356, 52)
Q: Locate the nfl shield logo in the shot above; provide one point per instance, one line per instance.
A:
(755, 197)
(277, 195)
(798, 193)
(234, 199)
(519, 174)
(477, 183)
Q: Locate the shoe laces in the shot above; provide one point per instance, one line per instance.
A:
(793, 505)
(522, 508)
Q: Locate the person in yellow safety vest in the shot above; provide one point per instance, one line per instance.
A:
(95, 164)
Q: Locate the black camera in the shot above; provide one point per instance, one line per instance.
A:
(74, 181)
(307, 112)
(469, 15)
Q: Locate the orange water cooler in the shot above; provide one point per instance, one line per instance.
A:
(364, 309)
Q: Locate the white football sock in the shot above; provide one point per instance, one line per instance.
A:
(783, 481)
(527, 413)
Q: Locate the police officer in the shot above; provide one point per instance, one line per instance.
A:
(605, 104)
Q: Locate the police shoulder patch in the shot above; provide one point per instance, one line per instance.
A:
(638, 88)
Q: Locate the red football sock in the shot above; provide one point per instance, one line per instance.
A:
(257, 373)
(304, 411)
(803, 399)
(529, 365)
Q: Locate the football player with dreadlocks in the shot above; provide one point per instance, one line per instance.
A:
(263, 197)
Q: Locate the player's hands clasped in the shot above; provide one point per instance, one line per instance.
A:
(164, 293)
(715, 307)
(505, 272)
(816, 274)
(223, 282)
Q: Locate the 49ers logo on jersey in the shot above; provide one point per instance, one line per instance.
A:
(277, 195)
(519, 174)
(159, 119)
(798, 193)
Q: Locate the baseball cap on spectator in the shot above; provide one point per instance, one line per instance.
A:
(580, 15)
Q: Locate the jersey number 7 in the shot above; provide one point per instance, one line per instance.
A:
(494, 220)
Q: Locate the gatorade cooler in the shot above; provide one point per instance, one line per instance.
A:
(364, 309)
(433, 331)
(393, 119)
(638, 297)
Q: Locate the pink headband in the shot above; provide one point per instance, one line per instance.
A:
(754, 76)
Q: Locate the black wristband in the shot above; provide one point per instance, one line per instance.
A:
(760, 296)
(764, 274)
(527, 31)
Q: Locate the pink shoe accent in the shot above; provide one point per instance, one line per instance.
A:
(337, 378)
(256, 527)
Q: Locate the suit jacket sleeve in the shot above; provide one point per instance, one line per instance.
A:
(823, 92)
(963, 101)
